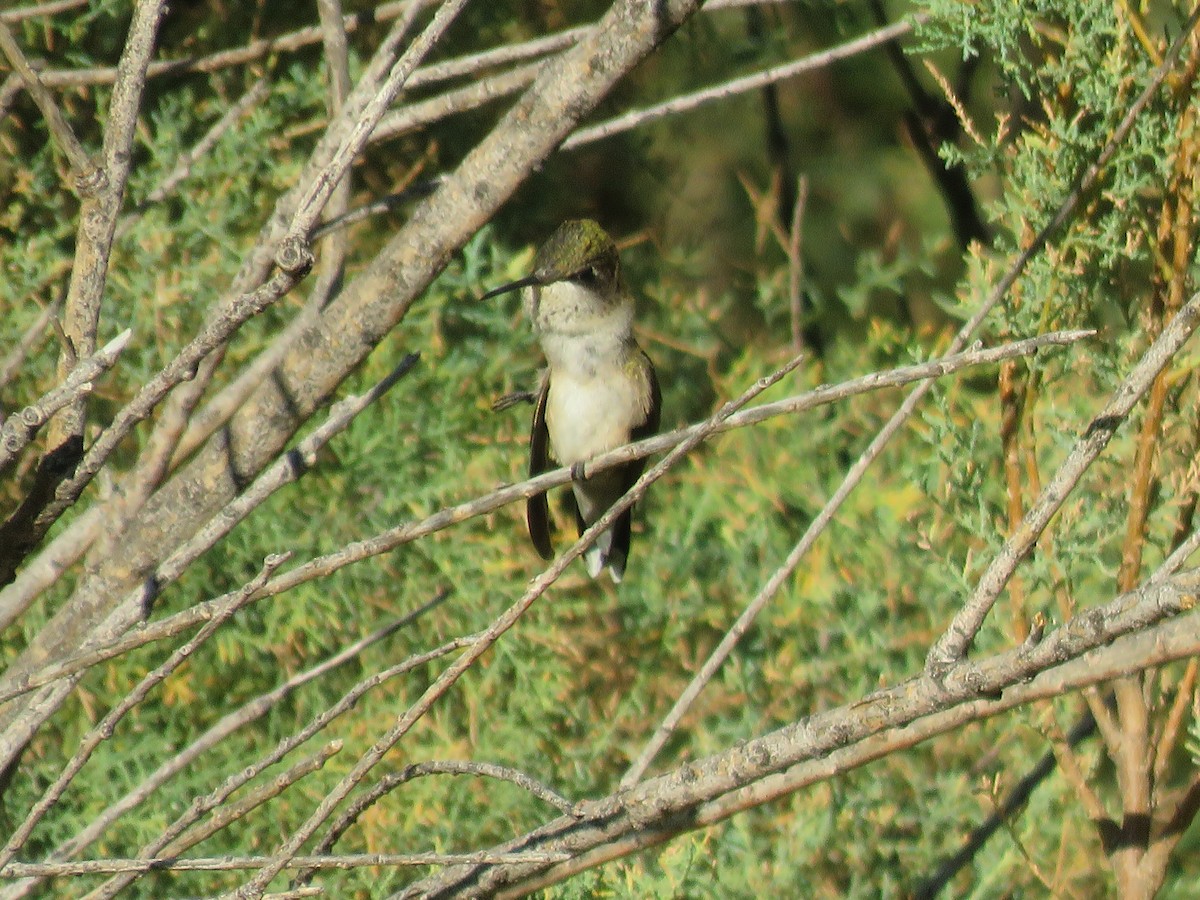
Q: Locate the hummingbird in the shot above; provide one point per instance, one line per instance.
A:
(599, 389)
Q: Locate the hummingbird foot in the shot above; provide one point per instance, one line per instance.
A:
(510, 400)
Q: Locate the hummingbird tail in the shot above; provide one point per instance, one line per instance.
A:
(600, 555)
(611, 549)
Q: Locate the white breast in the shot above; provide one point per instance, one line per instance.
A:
(591, 414)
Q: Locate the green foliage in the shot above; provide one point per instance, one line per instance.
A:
(570, 695)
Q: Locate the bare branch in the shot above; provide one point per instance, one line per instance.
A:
(103, 190)
(389, 783)
(1172, 727)
(796, 264)
(164, 495)
(225, 816)
(337, 63)
(543, 792)
(234, 863)
(387, 203)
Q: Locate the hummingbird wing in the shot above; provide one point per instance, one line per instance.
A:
(649, 427)
(537, 509)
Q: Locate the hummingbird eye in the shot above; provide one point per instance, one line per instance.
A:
(588, 276)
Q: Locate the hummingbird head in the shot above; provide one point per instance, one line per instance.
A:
(580, 253)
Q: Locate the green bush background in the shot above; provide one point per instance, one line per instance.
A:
(570, 695)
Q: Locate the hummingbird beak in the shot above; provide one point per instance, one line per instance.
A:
(528, 281)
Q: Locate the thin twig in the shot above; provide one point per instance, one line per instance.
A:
(102, 195)
(15, 358)
(60, 128)
(484, 91)
(384, 204)
(1062, 745)
(49, 565)
(390, 782)
(796, 264)
(297, 210)
(21, 427)
(1172, 726)
(686, 102)
(291, 255)
(225, 816)
(1100, 710)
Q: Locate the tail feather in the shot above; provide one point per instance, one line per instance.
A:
(606, 553)
(611, 549)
